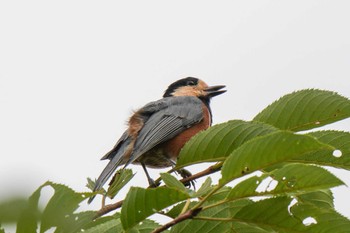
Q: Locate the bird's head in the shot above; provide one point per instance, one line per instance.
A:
(193, 87)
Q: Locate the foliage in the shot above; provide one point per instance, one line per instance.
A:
(272, 179)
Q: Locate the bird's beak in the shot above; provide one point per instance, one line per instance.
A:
(215, 90)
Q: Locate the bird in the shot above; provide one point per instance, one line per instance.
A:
(157, 132)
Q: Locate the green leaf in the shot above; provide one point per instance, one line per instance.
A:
(177, 209)
(279, 215)
(111, 226)
(202, 226)
(205, 188)
(145, 226)
(304, 178)
(120, 179)
(10, 210)
(292, 179)
(322, 199)
(216, 143)
(241, 227)
(171, 182)
(277, 218)
(101, 220)
(75, 222)
(141, 203)
(220, 194)
(62, 204)
(233, 208)
(90, 184)
(28, 220)
(339, 140)
(305, 109)
(226, 210)
(326, 220)
(57, 213)
(247, 188)
(266, 151)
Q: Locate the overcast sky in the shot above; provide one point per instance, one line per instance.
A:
(71, 72)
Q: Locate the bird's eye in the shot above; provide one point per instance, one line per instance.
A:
(191, 83)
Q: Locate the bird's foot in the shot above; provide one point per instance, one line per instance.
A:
(152, 183)
(185, 174)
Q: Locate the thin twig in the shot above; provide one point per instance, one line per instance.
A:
(182, 217)
(108, 208)
(208, 171)
(212, 169)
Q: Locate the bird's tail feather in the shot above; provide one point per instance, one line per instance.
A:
(106, 173)
(117, 159)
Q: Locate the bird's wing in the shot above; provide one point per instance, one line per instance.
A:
(166, 118)
(116, 155)
(163, 119)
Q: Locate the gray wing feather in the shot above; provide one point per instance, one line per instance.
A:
(176, 115)
(118, 146)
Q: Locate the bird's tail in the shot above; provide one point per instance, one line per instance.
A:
(102, 179)
(116, 156)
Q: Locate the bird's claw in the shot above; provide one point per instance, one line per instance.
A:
(185, 174)
(152, 183)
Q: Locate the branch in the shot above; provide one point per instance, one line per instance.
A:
(212, 169)
(208, 171)
(187, 215)
(108, 208)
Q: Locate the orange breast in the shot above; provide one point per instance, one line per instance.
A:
(173, 146)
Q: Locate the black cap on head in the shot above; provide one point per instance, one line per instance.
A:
(189, 81)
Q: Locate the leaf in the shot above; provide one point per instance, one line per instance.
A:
(90, 184)
(101, 220)
(292, 179)
(277, 218)
(146, 226)
(62, 204)
(236, 206)
(220, 194)
(321, 198)
(141, 203)
(120, 179)
(57, 213)
(266, 151)
(305, 109)
(247, 187)
(202, 226)
(289, 219)
(75, 222)
(241, 227)
(205, 188)
(226, 210)
(172, 182)
(110, 226)
(177, 209)
(28, 220)
(304, 178)
(326, 220)
(339, 140)
(10, 210)
(219, 141)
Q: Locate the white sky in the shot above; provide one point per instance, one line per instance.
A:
(72, 71)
